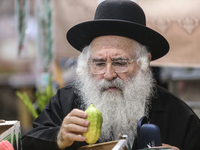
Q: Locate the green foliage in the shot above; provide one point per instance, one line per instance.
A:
(42, 98)
(27, 101)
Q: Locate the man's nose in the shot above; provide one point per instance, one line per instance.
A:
(110, 74)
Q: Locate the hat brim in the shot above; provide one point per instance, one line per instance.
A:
(82, 35)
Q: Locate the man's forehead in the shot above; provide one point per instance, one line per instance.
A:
(113, 42)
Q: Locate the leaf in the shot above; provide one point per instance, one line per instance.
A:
(27, 101)
(42, 98)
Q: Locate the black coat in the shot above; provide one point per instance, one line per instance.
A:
(178, 124)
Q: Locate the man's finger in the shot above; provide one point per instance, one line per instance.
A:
(78, 113)
(74, 137)
(77, 121)
(75, 128)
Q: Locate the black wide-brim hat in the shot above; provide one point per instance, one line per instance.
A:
(122, 18)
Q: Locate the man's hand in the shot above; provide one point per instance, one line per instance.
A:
(168, 146)
(73, 125)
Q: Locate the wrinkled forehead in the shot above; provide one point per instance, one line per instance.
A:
(125, 44)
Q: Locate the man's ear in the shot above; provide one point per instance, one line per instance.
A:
(150, 57)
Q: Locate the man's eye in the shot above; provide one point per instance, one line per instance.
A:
(119, 63)
(100, 64)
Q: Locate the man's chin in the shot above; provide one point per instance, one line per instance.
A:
(113, 90)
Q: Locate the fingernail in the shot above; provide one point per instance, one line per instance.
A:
(84, 115)
(83, 138)
(86, 123)
(85, 129)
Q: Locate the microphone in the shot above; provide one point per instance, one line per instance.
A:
(148, 134)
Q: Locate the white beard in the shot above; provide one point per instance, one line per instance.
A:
(121, 110)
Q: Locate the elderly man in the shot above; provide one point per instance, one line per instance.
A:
(113, 73)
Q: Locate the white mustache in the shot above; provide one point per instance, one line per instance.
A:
(105, 84)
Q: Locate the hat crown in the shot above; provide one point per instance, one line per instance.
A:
(125, 10)
(121, 18)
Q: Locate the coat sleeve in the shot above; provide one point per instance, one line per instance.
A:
(47, 125)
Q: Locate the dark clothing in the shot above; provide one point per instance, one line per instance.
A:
(178, 124)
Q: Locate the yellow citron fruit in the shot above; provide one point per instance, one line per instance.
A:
(95, 118)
